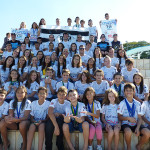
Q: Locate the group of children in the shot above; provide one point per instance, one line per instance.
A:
(58, 88)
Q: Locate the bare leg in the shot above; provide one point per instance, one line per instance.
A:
(3, 129)
(110, 137)
(145, 136)
(67, 136)
(23, 127)
(41, 130)
(30, 136)
(128, 134)
(85, 127)
(116, 132)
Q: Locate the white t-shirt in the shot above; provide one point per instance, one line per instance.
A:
(109, 72)
(53, 83)
(137, 91)
(92, 30)
(4, 109)
(122, 109)
(46, 45)
(128, 75)
(6, 54)
(145, 110)
(39, 112)
(114, 61)
(111, 115)
(97, 106)
(89, 52)
(4, 74)
(12, 92)
(79, 43)
(26, 107)
(68, 60)
(85, 58)
(68, 85)
(25, 70)
(66, 44)
(80, 87)
(94, 45)
(33, 88)
(99, 62)
(74, 71)
(59, 108)
(100, 88)
(81, 107)
(36, 51)
(48, 53)
(38, 69)
(33, 34)
(117, 90)
(123, 65)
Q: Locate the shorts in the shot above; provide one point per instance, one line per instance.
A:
(74, 126)
(128, 126)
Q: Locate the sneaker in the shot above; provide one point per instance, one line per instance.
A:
(90, 148)
(99, 147)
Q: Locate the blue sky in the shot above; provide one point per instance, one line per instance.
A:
(132, 15)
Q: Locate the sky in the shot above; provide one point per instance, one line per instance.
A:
(132, 15)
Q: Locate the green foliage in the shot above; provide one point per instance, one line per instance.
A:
(130, 45)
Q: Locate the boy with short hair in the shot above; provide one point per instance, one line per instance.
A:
(39, 115)
(8, 51)
(130, 115)
(74, 119)
(57, 107)
(100, 86)
(49, 83)
(128, 72)
(4, 106)
(65, 82)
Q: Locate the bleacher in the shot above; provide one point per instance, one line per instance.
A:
(77, 138)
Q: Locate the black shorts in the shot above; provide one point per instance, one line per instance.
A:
(128, 126)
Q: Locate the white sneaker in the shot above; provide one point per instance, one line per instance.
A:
(90, 148)
(99, 147)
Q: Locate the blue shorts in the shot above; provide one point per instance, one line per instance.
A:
(72, 128)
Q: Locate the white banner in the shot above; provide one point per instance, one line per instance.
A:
(20, 34)
(58, 31)
(109, 28)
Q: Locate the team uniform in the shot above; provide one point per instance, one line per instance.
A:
(80, 87)
(19, 112)
(4, 74)
(100, 88)
(128, 75)
(114, 61)
(6, 54)
(53, 83)
(68, 85)
(109, 72)
(75, 111)
(11, 94)
(79, 43)
(123, 110)
(33, 88)
(74, 71)
(145, 111)
(141, 95)
(4, 109)
(39, 112)
(111, 115)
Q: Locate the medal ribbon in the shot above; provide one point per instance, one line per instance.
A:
(118, 89)
(131, 110)
(91, 111)
(74, 110)
(18, 112)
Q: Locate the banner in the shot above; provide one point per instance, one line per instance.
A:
(58, 31)
(109, 28)
(20, 34)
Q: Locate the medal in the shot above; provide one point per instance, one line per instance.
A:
(118, 89)
(75, 113)
(18, 112)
